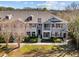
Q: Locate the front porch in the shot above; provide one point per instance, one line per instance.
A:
(31, 39)
(46, 36)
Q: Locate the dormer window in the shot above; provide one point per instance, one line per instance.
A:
(7, 17)
(39, 19)
(29, 18)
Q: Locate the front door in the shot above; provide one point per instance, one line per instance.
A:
(39, 33)
(64, 35)
(39, 30)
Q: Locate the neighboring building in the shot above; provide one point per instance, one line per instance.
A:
(35, 23)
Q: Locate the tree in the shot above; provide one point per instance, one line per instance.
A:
(2, 39)
(44, 9)
(74, 23)
(10, 8)
(6, 36)
(6, 8)
(74, 29)
(18, 39)
(72, 6)
(2, 8)
(11, 39)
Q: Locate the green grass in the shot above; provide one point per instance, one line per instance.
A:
(33, 48)
(30, 47)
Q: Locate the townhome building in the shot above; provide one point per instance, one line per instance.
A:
(42, 24)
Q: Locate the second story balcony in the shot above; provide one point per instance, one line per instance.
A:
(46, 26)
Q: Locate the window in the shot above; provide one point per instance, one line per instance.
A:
(60, 34)
(33, 33)
(28, 19)
(39, 24)
(64, 35)
(47, 26)
(56, 33)
(61, 25)
(7, 17)
(57, 25)
(46, 34)
(39, 19)
(53, 18)
(28, 33)
(52, 25)
(32, 25)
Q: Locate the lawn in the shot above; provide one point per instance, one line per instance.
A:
(28, 49)
(40, 50)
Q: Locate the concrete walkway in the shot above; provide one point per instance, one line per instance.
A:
(63, 43)
(39, 39)
(5, 55)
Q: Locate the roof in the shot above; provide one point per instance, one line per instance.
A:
(44, 15)
(11, 21)
(61, 19)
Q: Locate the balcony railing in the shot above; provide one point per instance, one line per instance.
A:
(46, 28)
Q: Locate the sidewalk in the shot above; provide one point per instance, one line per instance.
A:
(63, 43)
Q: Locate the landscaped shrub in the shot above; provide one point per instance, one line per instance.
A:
(57, 48)
(26, 39)
(31, 39)
(56, 40)
(2, 39)
(54, 48)
(46, 40)
(51, 39)
(11, 39)
(72, 36)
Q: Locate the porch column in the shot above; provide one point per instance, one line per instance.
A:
(42, 29)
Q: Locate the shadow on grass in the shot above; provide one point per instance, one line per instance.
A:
(7, 49)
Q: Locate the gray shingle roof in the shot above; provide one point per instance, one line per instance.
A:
(44, 15)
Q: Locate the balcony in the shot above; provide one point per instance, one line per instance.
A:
(46, 28)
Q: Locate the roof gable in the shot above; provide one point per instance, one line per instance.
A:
(55, 19)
